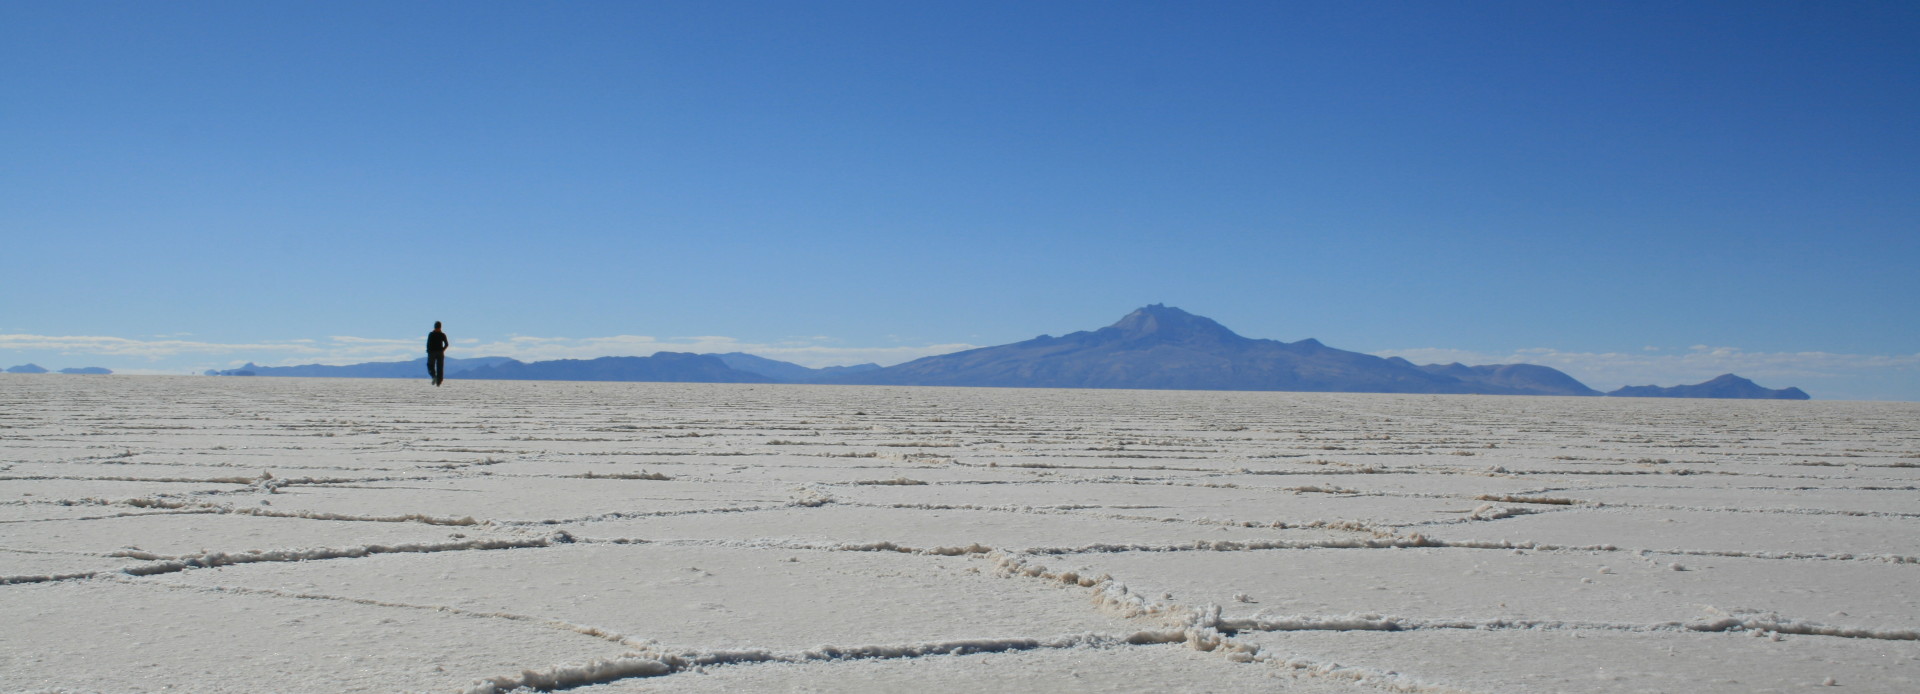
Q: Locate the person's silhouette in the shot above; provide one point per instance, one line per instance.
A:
(437, 354)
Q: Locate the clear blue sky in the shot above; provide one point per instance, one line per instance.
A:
(1633, 192)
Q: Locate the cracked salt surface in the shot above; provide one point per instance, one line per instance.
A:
(1548, 660)
(1707, 532)
(295, 535)
(1158, 668)
(923, 528)
(522, 499)
(121, 637)
(1451, 583)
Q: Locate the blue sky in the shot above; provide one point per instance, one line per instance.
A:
(1632, 192)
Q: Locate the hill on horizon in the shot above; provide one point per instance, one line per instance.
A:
(1158, 347)
(1722, 386)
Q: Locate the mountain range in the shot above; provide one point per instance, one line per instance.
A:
(38, 369)
(1155, 347)
(374, 369)
(1158, 348)
(1722, 386)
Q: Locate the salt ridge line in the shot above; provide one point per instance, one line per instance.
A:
(1571, 504)
(1321, 489)
(130, 514)
(812, 496)
(1385, 536)
(1199, 630)
(1418, 540)
(571, 675)
(623, 515)
(265, 481)
(1735, 509)
(270, 483)
(1115, 596)
(1375, 622)
(158, 565)
(656, 663)
(1381, 542)
(156, 502)
(1074, 510)
(1863, 488)
(165, 564)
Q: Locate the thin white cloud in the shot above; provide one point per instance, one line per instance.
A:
(150, 349)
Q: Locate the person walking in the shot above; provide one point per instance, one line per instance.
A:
(437, 354)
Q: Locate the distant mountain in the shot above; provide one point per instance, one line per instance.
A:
(1723, 386)
(1527, 378)
(677, 367)
(88, 371)
(1158, 347)
(27, 369)
(787, 371)
(375, 369)
(663, 366)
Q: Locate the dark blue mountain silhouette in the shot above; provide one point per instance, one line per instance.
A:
(1155, 347)
(1527, 377)
(681, 367)
(1722, 386)
(786, 371)
(374, 369)
(1159, 347)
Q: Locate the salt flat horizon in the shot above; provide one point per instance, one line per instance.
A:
(289, 534)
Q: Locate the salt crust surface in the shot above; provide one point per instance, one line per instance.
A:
(1450, 583)
(522, 499)
(31, 490)
(1669, 529)
(936, 528)
(129, 538)
(1522, 661)
(1165, 668)
(382, 536)
(1764, 498)
(30, 563)
(707, 597)
(120, 637)
(1167, 502)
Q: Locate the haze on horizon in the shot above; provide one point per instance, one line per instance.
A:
(1630, 192)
